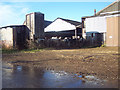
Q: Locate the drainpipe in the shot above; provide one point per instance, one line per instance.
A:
(75, 33)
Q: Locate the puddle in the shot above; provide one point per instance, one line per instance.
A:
(16, 76)
(19, 68)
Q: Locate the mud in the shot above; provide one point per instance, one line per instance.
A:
(93, 67)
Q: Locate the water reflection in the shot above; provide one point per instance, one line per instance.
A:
(16, 76)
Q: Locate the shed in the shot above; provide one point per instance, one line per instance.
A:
(106, 22)
(14, 36)
(64, 28)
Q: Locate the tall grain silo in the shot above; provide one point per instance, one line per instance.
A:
(35, 23)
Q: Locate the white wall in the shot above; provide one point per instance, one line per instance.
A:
(59, 25)
(96, 24)
(6, 36)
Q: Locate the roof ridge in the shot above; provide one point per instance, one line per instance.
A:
(68, 19)
(108, 6)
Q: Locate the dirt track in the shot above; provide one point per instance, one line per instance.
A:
(101, 62)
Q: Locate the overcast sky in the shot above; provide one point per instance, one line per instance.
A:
(13, 13)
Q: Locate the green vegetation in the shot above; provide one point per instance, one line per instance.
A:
(103, 45)
(31, 50)
(10, 51)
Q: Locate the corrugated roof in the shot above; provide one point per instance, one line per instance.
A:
(11, 26)
(117, 1)
(46, 23)
(98, 13)
(76, 23)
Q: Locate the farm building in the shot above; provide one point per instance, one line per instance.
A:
(14, 36)
(103, 26)
(62, 28)
(17, 36)
(35, 23)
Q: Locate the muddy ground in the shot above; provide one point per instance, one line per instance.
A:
(101, 62)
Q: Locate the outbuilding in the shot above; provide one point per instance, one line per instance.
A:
(62, 28)
(14, 36)
(105, 22)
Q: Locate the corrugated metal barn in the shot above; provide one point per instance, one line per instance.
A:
(62, 28)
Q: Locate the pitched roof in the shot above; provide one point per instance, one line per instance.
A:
(76, 23)
(101, 13)
(117, 1)
(11, 26)
(46, 23)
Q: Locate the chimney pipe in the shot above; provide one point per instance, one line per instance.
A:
(94, 12)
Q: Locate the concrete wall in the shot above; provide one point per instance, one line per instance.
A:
(6, 37)
(113, 33)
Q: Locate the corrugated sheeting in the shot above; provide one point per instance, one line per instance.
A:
(95, 24)
(108, 25)
(115, 6)
(59, 25)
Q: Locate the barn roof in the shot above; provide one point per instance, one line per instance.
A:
(46, 23)
(109, 7)
(76, 23)
(11, 26)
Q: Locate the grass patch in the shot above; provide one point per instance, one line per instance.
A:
(10, 51)
(31, 50)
